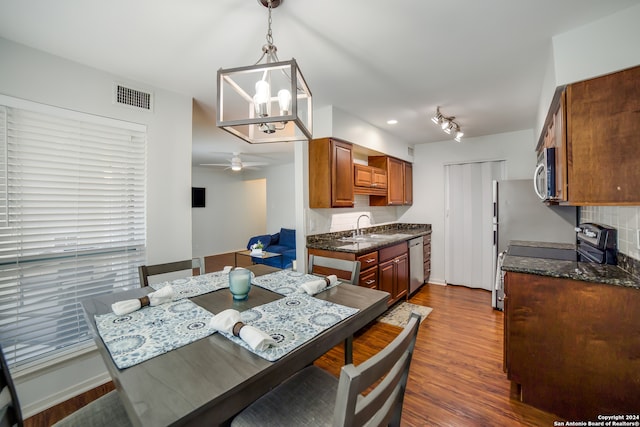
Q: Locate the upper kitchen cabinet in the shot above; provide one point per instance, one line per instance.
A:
(399, 181)
(369, 180)
(330, 173)
(595, 127)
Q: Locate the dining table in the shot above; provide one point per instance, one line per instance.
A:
(208, 381)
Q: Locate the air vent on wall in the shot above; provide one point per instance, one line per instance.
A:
(410, 151)
(132, 97)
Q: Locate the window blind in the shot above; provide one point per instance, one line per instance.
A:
(72, 222)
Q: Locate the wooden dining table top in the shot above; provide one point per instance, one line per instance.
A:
(210, 380)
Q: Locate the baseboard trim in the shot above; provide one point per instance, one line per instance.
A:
(63, 395)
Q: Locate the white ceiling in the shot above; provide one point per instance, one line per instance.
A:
(481, 61)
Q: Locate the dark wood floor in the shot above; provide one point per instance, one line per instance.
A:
(456, 373)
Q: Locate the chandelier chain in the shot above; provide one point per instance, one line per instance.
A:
(269, 33)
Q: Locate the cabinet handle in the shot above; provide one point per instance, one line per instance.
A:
(370, 260)
(368, 282)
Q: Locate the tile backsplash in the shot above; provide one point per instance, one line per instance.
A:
(625, 219)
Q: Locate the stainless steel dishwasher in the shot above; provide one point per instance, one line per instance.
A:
(416, 264)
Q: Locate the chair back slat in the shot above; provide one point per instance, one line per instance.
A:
(325, 265)
(152, 270)
(383, 404)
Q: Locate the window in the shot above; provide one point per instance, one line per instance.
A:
(72, 222)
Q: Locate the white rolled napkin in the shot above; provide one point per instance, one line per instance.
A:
(315, 286)
(229, 321)
(227, 268)
(158, 297)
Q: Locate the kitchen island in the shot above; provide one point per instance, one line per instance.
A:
(572, 336)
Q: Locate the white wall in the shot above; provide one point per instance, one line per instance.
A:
(241, 205)
(516, 148)
(36, 76)
(236, 209)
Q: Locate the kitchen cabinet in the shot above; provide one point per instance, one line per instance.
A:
(595, 128)
(572, 346)
(368, 266)
(393, 271)
(399, 181)
(426, 251)
(330, 173)
(369, 270)
(369, 180)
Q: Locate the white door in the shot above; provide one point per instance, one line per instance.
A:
(468, 223)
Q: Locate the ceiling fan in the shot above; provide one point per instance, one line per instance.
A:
(235, 163)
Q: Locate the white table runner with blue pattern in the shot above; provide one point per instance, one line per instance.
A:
(151, 331)
(292, 321)
(196, 285)
(287, 282)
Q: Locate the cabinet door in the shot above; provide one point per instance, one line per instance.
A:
(602, 139)
(362, 175)
(379, 178)
(559, 142)
(408, 184)
(395, 186)
(386, 277)
(401, 286)
(341, 175)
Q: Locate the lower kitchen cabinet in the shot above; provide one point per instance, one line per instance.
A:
(393, 271)
(572, 347)
(369, 270)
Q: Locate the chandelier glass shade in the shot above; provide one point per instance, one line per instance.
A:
(265, 102)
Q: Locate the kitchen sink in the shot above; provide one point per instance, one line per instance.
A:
(375, 238)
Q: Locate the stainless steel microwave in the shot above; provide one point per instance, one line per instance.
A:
(544, 178)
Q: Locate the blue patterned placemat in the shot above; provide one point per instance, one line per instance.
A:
(287, 282)
(292, 321)
(196, 285)
(151, 331)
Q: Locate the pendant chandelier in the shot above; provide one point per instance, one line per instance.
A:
(265, 102)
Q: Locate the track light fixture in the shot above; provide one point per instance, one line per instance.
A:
(448, 125)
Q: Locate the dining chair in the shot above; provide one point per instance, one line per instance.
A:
(152, 270)
(106, 411)
(307, 397)
(326, 265)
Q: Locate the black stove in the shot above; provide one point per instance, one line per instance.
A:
(596, 243)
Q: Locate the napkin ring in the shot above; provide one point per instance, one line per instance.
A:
(326, 279)
(144, 301)
(236, 328)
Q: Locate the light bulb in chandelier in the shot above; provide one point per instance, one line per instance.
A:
(262, 99)
(284, 99)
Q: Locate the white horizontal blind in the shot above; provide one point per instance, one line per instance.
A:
(72, 222)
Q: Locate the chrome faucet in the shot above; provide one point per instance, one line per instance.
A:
(358, 232)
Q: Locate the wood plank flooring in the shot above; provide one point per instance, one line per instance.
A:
(456, 373)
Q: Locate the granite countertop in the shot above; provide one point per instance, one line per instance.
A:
(333, 242)
(583, 271)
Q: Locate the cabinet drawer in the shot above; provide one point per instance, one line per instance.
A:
(392, 251)
(368, 260)
(369, 278)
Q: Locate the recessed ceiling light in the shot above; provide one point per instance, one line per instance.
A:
(392, 122)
